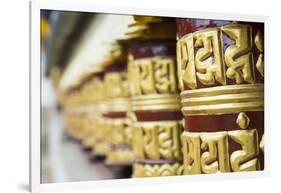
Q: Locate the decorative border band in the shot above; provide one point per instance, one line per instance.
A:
(223, 99)
(156, 102)
(119, 105)
(156, 170)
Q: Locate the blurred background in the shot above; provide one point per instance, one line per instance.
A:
(71, 42)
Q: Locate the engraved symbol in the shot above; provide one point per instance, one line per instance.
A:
(243, 120)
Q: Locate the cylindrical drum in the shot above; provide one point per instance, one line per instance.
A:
(221, 75)
(99, 124)
(71, 104)
(91, 95)
(155, 98)
(81, 107)
(120, 155)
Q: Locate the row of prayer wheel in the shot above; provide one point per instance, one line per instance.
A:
(177, 97)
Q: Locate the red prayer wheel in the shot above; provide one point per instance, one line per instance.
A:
(221, 76)
(155, 98)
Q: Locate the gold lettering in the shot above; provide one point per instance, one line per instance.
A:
(169, 143)
(150, 142)
(209, 152)
(165, 80)
(146, 76)
(191, 153)
(217, 157)
(156, 140)
(152, 75)
(238, 57)
(245, 159)
(133, 73)
(117, 132)
(208, 59)
(185, 60)
(138, 141)
(128, 133)
(114, 85)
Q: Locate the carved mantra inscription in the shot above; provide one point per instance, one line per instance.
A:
(121, 131)
(116, 84)
(210, 153)
(201, 56)
(147, 170)
(152, 75)
(157, 140)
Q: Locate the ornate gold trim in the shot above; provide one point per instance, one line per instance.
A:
(120, 156)
(229, 89)
(156, 102)
(119, 105)
(223, 99)
(156, 170)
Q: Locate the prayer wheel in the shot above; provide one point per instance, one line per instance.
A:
(90, 106)
(81, 108)
(155, 97)
(120, 155)
(100, 143)
(221, 76)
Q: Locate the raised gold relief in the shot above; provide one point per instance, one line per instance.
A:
(191, 152)
(116, 85)
(200, 56)
(157, 140)
(156, 170)
(208, 59)
(238, 57)
(223, 99)
(156, 102)
(217, 158)
(245, 159)
(128, 133)
(215, 147)
(120, 136)
(153, 84)
(243, 120)
(186, 61)
(209, 152)
(152, 75)
(121, 131)
(102, 144)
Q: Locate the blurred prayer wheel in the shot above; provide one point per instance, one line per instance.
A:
(74, 113)
(81, 106)
(155, 97)
(221, 75)
(101, 145)
(120, 155)
(92, 96)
